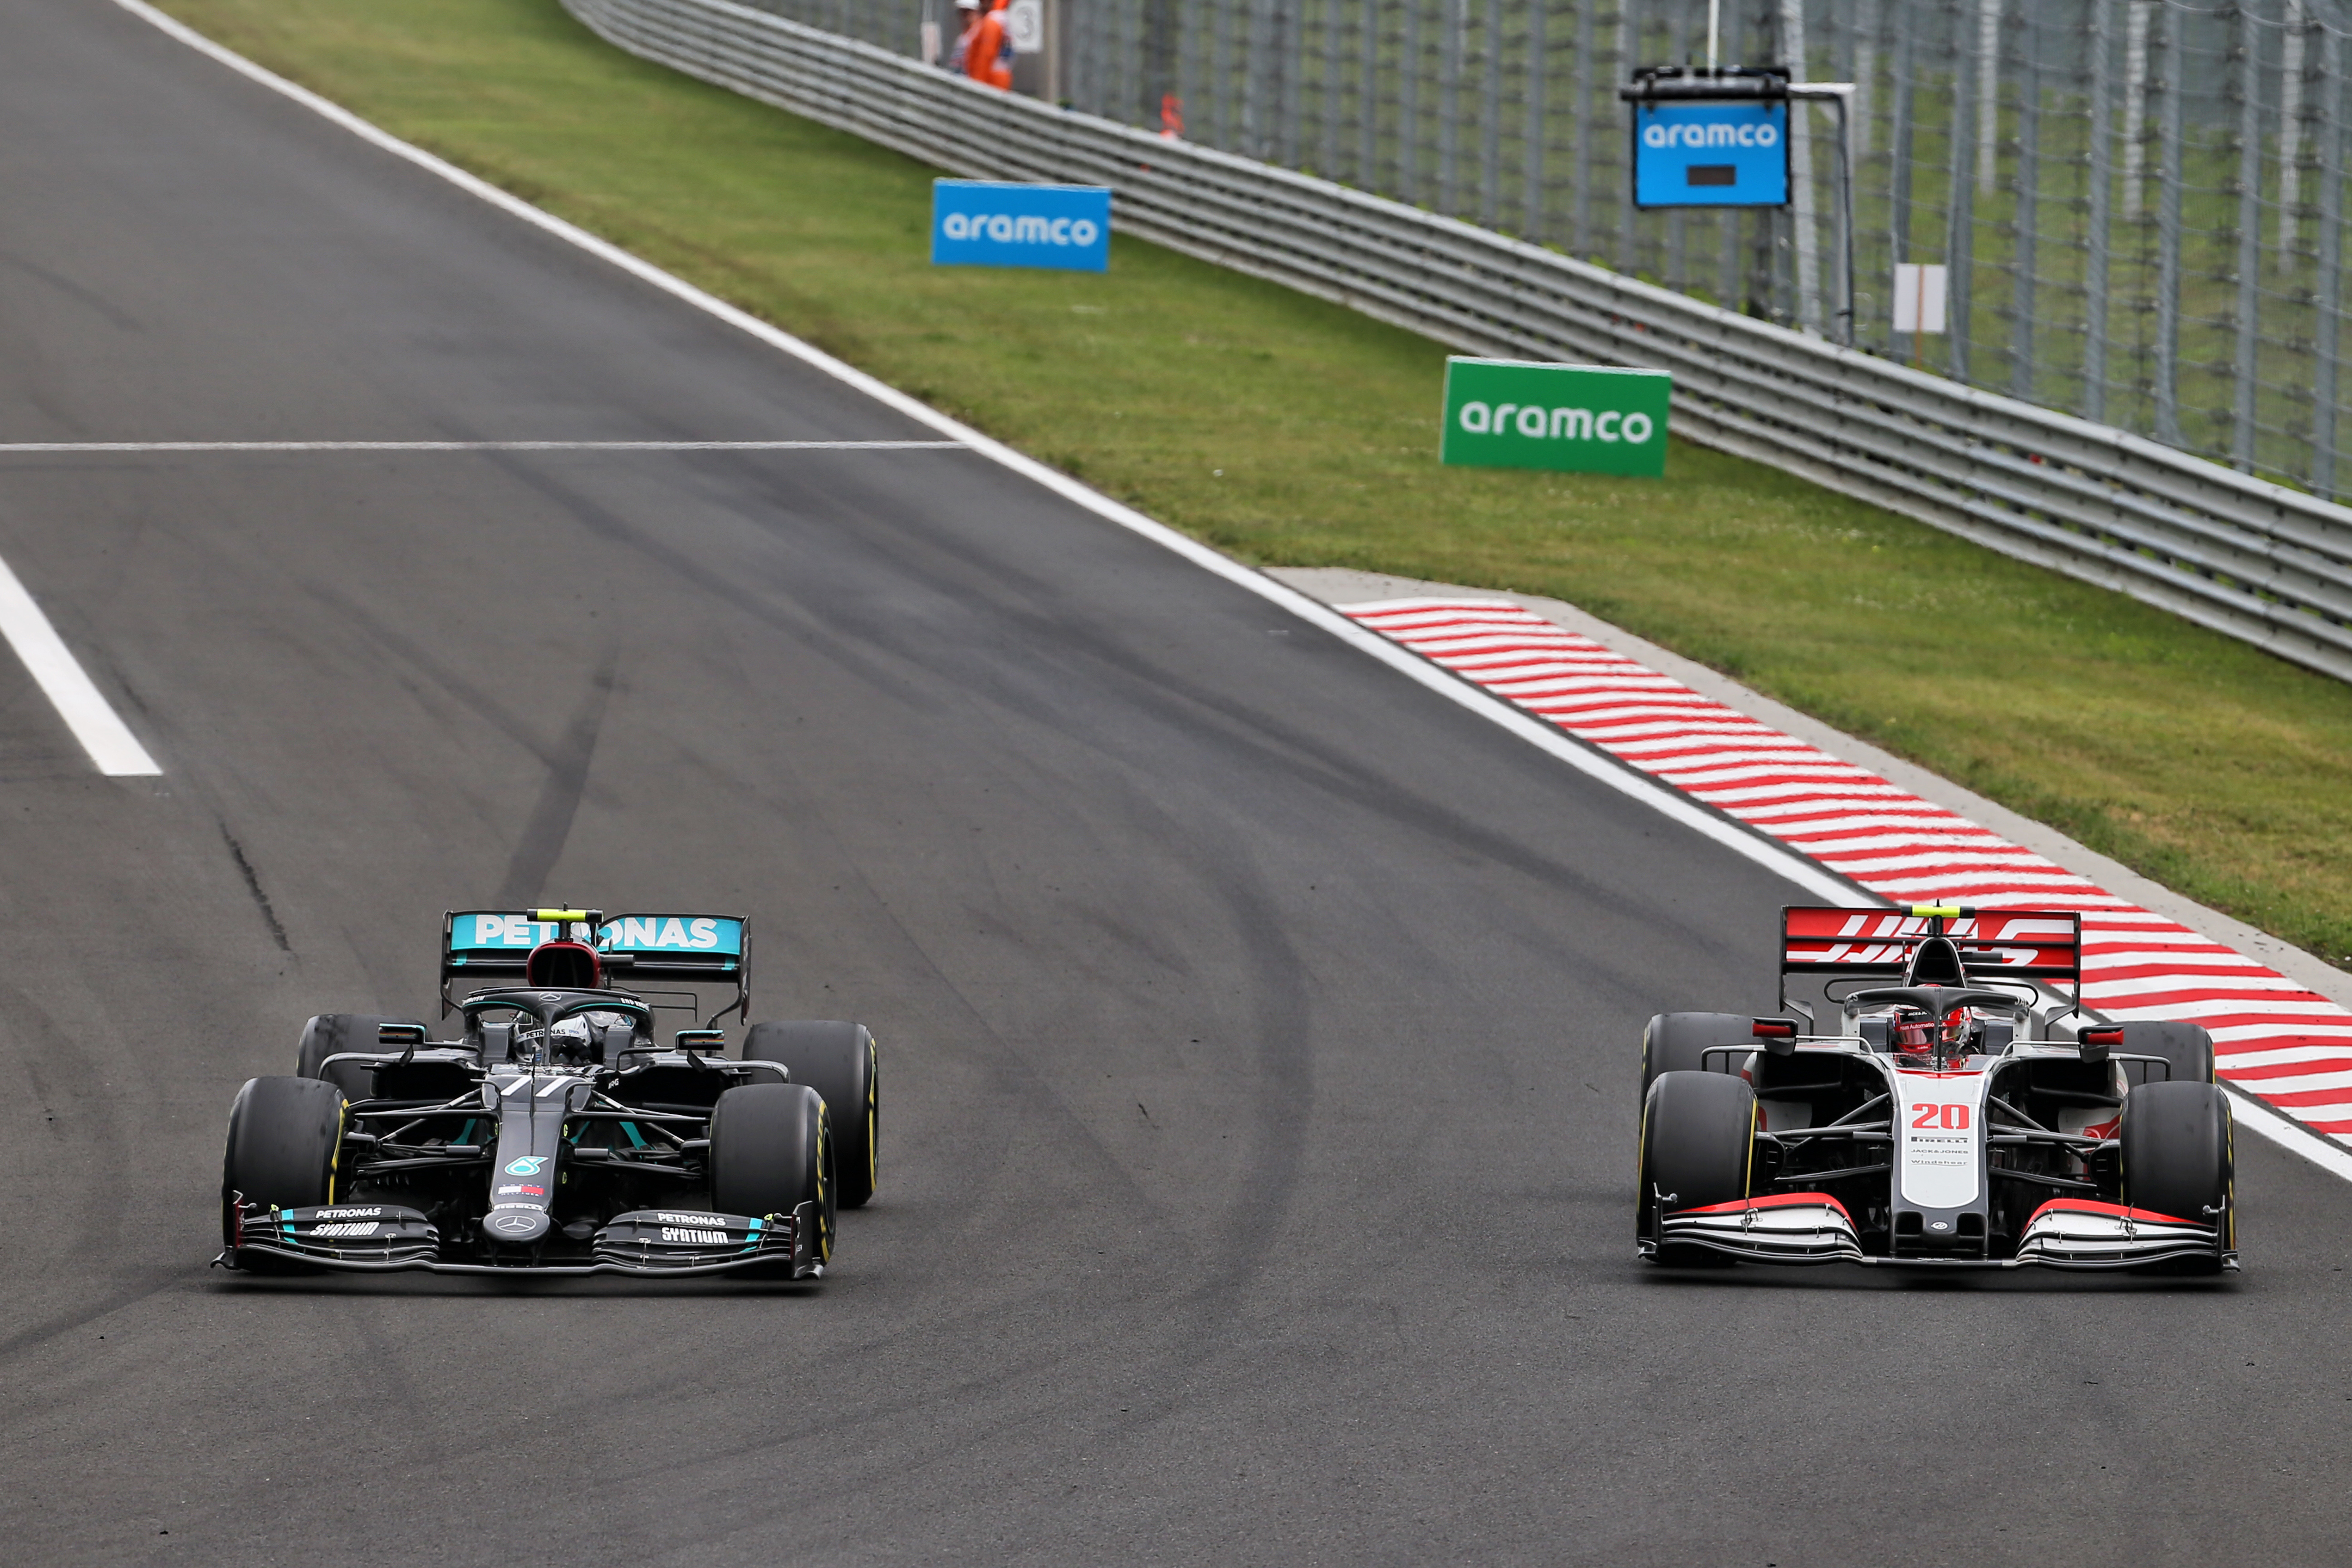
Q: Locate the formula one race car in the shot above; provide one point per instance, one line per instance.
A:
(1963, 1110)
(553, 1133)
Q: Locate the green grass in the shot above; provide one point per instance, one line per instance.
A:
(1291, 432)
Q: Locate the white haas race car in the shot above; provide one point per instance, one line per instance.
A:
(1942, 1102)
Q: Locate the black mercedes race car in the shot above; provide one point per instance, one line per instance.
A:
(1956, 1109)
(553, 1133)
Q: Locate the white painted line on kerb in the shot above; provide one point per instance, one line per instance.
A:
(108, 741)
(2251, 1115)
(1605, 771)
(69, 448)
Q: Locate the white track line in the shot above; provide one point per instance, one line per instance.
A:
(52, 449)
(1668, 803)
(108, 741)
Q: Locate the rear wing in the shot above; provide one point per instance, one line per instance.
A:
(2043, 945)
(495, 944)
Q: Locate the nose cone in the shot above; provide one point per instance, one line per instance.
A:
(517, 1227)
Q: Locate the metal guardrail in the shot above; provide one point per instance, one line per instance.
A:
(2242, 556)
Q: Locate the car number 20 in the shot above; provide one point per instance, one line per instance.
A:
(1952, 1118)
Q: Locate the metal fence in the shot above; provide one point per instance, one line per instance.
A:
(2141, 202)
(2241, 554)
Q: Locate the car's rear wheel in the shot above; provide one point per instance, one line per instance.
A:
(2177, 1160)
(771, 1151)
(2187, 1046)
(283, 1137)
(1677, 1042)
(1698, 1141)
(330, 1034)
(838, 1061)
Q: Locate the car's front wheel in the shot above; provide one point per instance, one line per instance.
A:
(1698, 1143)
(283, 1137)
(2177, 1159)
(771, 1151)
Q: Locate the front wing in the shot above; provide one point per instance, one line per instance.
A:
(380, 1238)
(1814, 1227)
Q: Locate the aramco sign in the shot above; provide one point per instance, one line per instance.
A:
(1575, 418)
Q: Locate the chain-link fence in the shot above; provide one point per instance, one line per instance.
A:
(2141, 202)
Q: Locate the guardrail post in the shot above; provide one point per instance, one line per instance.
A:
(1328, 157)
(1621, 60)
(1581, 237)
(1408, 131)
(1898, 192)
(2164, 42)
(1490, 119)
(1451, 44)
(2098, 46)
(2328, 306)
(1960, 227)
(1988, 84)
(2247, 78)
(2027, 213)
(2137, 13)
(1531, 147)
(1801, 170)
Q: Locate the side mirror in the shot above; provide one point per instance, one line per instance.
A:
(1779, 1034)
(709, 1042)
(399, 1037)
(2094, 1043)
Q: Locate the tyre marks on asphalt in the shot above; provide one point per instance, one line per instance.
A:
(549, 827)
(2272, 1038)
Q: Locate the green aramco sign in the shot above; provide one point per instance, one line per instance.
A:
(1579, 419)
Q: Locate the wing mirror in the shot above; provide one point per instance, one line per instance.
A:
(2094, 1043)
(1779, 1034)
(394, 1036)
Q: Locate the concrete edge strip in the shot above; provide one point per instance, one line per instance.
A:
(1607, 771)
(1545, 737)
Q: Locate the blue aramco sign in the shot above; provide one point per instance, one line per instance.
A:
(982, 223)
(1711, 155)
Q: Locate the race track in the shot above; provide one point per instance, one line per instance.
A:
(1258, 1027)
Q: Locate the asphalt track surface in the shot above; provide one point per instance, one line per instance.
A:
(1257, 1026)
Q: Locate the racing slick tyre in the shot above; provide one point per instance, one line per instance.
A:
(1677, 1042)
(1698, 1141)
(2187, 1046)
(283, 1135)
(837, 1060)
(2178, 1160)
(771, 1151)
(331, 1034)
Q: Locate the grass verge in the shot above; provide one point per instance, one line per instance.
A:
(1291, 432)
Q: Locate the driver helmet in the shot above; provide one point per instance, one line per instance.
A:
(1917, 1033)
